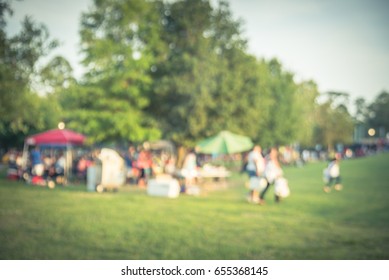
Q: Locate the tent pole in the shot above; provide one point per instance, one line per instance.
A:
(68, 162)
(24, 156)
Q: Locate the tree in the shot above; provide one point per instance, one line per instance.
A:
(181, 70)
(185, 77)
(56, 75)
(20, 107)
(333, 122)
(362, 113)
(306, 105)
(379, 113)
(283, 124)
(206, 82)
(109, 104)
(243, 98)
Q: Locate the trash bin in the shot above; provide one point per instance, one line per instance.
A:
(93, 177)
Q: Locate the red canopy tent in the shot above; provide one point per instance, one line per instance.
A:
(55, 138)
(61, 137)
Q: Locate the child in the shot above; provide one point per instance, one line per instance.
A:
(332, 175)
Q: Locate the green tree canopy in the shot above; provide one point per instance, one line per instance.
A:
(116, 39)
(379, 112)
(21, 109)
(305, 105)
(284, 119)
(173, 69)
(334, 124)
(206, 82)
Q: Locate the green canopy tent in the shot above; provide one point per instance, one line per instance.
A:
(225, 142)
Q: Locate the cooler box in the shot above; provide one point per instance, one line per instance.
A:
(163, 187)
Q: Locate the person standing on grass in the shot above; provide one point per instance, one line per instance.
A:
(189, 168)
(255, 168)
(273, 171)
(130, 159)
(145, 164)
(37, 162)
(332, 175)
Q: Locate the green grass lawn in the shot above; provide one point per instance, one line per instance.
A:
(70, 223)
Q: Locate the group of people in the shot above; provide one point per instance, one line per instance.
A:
(141, 164)
(266, 171)
(37, 168)
(47, 166)
(14, 160)
(263, 171)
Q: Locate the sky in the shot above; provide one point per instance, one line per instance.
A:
(342, 45)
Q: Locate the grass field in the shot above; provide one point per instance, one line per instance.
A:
(70, 223)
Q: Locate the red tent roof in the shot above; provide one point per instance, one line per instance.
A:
(56, 137)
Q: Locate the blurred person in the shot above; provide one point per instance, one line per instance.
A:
(60, 166)
(273, 171)
(36, 162)
(48, 166)
(189, 168)
(305, 155)
(170, 165)
(332, 174)
(5, 158)
(130, 160)
(255, 169)
(12, 172)
(144, 164)
(82, 166)
(19, 160)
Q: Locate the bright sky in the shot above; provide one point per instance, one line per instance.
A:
(343, 45)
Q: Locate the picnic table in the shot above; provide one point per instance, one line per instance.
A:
(213, 172)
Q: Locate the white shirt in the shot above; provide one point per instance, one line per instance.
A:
(255, 162)
(272, 171)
